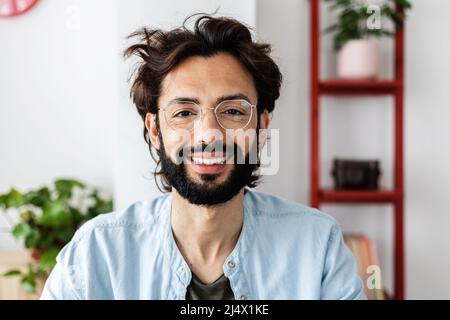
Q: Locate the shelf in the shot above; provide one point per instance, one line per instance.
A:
(358, 196)
(361, 87)
(393, 87)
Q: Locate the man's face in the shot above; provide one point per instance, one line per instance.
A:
(206, 81)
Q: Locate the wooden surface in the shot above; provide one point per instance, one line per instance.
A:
(10, 287)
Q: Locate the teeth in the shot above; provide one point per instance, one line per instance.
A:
(209, 161)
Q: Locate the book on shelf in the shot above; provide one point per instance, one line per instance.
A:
(365, 252)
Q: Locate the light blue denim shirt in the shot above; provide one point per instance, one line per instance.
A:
(285, 251)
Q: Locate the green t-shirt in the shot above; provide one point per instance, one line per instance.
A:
(218, 290)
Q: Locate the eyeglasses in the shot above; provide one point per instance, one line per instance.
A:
(230, 114)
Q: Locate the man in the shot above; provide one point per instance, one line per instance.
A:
(211, 236)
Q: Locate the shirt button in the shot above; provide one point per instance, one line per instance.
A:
(180, 269)
(231, 264)
(243, 298)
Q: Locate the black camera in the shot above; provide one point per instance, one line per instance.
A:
(356, 174)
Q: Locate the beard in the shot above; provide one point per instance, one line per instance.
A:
(209, 192)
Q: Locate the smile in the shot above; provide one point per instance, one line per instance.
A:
(209, 161)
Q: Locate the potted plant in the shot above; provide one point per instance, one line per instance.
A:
(49, 217)
(358, 24)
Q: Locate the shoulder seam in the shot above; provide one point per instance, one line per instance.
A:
(311, 212)
(78, 237)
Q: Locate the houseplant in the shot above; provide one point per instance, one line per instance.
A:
(49, 217)
(357, 25)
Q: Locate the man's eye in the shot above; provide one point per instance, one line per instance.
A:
(183, 114)
(233, 112)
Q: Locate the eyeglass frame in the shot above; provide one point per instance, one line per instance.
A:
(211, 108)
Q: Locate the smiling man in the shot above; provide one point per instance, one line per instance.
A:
(211, 236)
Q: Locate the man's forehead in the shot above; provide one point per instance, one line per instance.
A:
(213, 76)
(226, 63)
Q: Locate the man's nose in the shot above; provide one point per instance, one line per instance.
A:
(208, 119)
(208, 130)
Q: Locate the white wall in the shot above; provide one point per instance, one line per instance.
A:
(58, 95)
(71, 114)
(428, 151)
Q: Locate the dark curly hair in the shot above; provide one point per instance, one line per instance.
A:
(160, 51)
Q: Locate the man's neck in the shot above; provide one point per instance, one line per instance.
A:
(206, 235)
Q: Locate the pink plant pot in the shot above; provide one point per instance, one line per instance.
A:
(359, 60)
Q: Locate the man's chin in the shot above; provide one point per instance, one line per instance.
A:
(206, 189)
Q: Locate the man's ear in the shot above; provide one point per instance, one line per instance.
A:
(152, 129)
(264, 121)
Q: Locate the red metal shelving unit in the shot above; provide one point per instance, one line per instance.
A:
(394, 88)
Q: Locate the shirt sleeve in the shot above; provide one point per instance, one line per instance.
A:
(65, 282)
(340, 280)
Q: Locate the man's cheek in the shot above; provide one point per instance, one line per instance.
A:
(245, 140)
(178, 145)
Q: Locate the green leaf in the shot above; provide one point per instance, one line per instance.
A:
(55, 215)
(28, 285)
(14, 199)
(33, 239)
(38, 198)
(379, 33)
(26, 216)
(104, 207)
(3, 198)
(404, 3)
(48, 258)
(31, 235)
(28, 282)
(21, 230)
(64, 186)
(352, 16)
(64, 235)
(12, 273)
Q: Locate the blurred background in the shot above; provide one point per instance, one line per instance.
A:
(66, 122)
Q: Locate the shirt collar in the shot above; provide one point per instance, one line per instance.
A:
(233, 261)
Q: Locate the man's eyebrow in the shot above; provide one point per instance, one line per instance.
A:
(184, 99)
(237, 96)
(218, 100)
